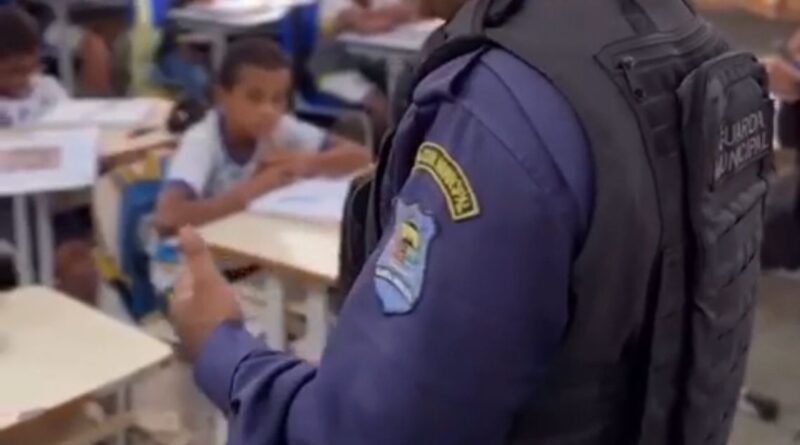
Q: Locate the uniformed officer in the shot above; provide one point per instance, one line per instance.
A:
(566, 222)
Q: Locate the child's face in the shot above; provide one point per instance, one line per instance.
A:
(15, 74)
(255, 104)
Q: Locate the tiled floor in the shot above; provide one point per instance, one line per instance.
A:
(775, 364)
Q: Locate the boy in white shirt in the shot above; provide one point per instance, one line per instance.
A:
(249, 144)
(25, 95)
(24, 92)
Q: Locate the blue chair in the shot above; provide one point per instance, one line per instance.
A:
(298, 35)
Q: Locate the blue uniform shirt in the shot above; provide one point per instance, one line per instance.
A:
(458, 313)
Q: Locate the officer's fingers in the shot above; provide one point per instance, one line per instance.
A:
(198, 259)
(184, 285)
(180, 299)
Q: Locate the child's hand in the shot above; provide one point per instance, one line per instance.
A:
(298, 163)
(264, 180)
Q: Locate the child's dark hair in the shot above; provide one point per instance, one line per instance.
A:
(252, 51)
(20, 32)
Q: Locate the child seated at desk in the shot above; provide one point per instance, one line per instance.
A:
(249, 144)
(365, 16)
(25, 95)
(160, 61)
(365, 78)
(85, 42)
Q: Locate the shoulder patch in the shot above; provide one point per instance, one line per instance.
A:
(461, 200)
(400, 270)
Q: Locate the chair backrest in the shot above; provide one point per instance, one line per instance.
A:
(149, 17)
(106, 198)
(152, 12)
(123, 200)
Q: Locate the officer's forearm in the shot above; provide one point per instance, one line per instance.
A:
(232, 361)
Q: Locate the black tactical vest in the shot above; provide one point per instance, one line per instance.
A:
(662, 294)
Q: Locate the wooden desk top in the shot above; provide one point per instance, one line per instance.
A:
(122, 145)
(54, 350)
(308, 250)
(119, 147)
(406, 39)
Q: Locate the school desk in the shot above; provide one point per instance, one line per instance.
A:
(297, 254)
(126, 146)
(61, 8)
(35, 164)
(219, 26)
(115, 146)
(55, 351)
(396, 47)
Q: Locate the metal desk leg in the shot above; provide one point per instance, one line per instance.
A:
(275, 315)
(394, 69)
(123, 402)
(220, 429)
(219, 45)
(317, 311)
(65, 66)
(22, 240)
(44, 229)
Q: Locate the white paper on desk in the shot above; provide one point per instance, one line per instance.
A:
(238, 12)
(320, 199)
(410, 37)
(114, 113)
(77, 166)
(351, 86)
(246, 6)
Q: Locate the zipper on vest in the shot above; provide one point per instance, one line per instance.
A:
(628, 65)
(656, 49)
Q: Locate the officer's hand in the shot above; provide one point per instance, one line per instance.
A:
(784, 79)
(202, 298)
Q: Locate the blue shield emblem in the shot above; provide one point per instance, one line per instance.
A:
(400, 271)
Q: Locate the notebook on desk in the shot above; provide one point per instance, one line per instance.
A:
(321, 199)
(47, 160)
(409, 38)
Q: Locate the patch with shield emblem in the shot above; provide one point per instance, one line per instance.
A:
(400, 270)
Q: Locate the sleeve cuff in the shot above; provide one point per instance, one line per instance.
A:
(219, 358)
